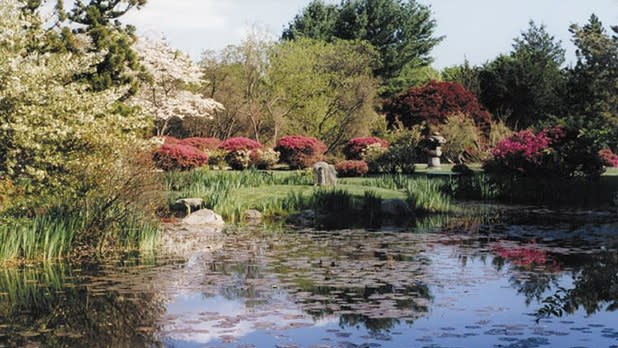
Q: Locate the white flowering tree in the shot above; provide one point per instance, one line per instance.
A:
(51, 126)
(165, 92)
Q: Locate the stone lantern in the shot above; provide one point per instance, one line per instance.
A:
(433, 148)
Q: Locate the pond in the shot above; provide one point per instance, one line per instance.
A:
(519, 278)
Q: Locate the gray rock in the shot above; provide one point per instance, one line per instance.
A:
(204, 217)
(188, 205)
(396, 207)
(324, 174)
(305, 218)
(253, 217)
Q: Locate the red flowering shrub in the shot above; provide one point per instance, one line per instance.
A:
(238, 144)
(434, 103)
(181, 157)
(169, 140)
(551, 152)
(355, 147)
(526, 256)
(351, 168)
(204, 144)
(239, 151)
(299, 151)
(609, 158)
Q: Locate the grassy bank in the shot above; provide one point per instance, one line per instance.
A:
(280, 193)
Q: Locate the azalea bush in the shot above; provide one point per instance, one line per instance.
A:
(553, 152)
(355, 148)
(204, 144)
(239, 151)
(609, 158)
(300, 151)
(351, 168)
(179, 157)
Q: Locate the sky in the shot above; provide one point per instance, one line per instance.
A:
(477, 30)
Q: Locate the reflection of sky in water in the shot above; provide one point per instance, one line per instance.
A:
(475, 304)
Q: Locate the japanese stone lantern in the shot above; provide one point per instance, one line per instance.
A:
(433, 148)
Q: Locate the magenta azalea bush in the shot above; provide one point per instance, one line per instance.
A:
(355, 146)
(240, 143)
(179, 157)
(609, 158)
(351, 168)
(204, 144)
(300, 151)
(551, 152)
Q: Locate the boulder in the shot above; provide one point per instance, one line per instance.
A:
(324, 174)
(253, 217)
(305, 218)
(204, 217)
(188, 205)
(396, 207)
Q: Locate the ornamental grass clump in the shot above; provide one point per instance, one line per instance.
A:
(179, 157)
(300, 151)
(351, 168)
(356, 147)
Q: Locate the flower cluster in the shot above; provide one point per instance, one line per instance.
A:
(609, 158)
(299, 151)
(204, 144)
(524, 152)
(356, 147)
(180, 157)
(240, 143)
(526, 256)
(351, 168)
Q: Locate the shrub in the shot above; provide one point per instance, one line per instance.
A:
(351, 168)
(403, 152)
(555, 152)
(203, 144)
(434, 103)
(216, 158)
(371, 154)
(169, 140)
(608, 158)
(239, 152)
(355, 148)
(299, 151)
(264, 159)
(240, 143)
(462, 139)
(181, 157)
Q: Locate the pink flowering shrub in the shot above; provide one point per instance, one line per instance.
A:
(204, 144)
(238, 144)
(355, 147)
(527, 256)
(169, 140)
(300, 151)
(550, 152)
(609, 158)
(179, 157)
(351, 168)
(239, 151)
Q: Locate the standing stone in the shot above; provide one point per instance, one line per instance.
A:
(324, 174)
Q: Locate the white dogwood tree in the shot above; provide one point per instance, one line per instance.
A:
(165, 91)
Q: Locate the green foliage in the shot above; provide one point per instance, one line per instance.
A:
(402, 153)
(401, 31)
(463, 139)
(527, 86)
(326, 89)
(466, 75)
(593, 81)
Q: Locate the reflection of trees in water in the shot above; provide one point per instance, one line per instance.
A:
(52, 306)
(595, 286)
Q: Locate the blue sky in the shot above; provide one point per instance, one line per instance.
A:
(476, 29)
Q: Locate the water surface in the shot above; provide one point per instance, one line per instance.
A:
(515, 280)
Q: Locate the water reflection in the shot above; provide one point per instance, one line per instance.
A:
(463, 281)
